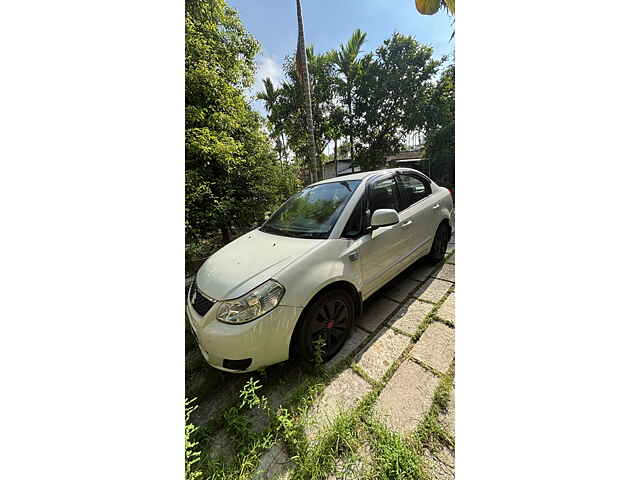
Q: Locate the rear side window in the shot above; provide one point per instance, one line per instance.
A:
(412, 189)
(384, 194)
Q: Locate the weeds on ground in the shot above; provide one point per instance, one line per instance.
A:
(394, 458)
(430, 433)
(319, 350)
(317, 460)
(192, 453)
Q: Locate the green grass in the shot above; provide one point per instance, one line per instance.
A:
(430, 433)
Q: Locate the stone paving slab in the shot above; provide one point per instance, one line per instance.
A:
(343, 393)
(357, 337)
(274, 464)
(406, 398)
(447, 310)
(445, 272)
(399, 289)
(375, 312)
(421, 271)
(436, 347)
(432, 290)
(410, 316)
(438, 467)
(380, 353)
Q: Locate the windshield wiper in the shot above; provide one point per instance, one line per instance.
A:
(270, 229)
(292, 233)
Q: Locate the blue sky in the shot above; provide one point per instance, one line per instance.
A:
(328, 23)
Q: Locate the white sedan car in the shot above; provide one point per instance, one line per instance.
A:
(299, 280)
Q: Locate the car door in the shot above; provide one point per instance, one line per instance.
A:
(417, 209)
(382, 249)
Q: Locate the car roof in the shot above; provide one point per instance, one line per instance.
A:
(363, 175)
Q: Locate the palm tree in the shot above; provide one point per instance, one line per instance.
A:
(431, 7)
(303, 72)
(270, 97)
(345, 60)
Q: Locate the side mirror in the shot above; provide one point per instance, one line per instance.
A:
(384, 217)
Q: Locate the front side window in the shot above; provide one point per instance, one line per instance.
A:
(412, 189)
(313, 212)
(383, 194)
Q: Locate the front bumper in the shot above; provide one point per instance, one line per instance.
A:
(265, 341)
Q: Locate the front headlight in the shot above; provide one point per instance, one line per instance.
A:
(254, 304)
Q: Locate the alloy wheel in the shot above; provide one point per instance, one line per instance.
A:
(330, 325)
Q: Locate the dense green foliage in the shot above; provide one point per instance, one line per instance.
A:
(232, 172)
(440, 142)
(289, 111)
(392, 98)
(373, 102)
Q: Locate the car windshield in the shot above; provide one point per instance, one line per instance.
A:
(313, 212)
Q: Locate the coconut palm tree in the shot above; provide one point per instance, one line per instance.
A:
(431, 7)
(303, 72)
(270, 97)
(345, 60)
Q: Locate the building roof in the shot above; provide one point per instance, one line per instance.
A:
(414, 154)
(408, 160)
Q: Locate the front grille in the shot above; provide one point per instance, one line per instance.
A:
(200, 303)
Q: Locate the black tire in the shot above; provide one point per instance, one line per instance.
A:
(330, 317)
(439, 245)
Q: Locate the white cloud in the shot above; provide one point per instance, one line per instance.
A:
(266, 67)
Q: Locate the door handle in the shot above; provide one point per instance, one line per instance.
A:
(436, 206)
(406, 225)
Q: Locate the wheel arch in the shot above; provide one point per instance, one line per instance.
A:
(345, 285)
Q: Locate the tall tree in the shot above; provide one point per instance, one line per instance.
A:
(290, 107)
(392, 94)
(301, 61)
(270, 97)
(232, 174)
(440, 141)
(346, 60)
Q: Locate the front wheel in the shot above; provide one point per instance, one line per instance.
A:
(439, 245)
(325, 326)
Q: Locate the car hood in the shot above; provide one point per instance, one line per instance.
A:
(249, 261)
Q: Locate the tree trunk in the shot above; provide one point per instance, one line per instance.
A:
(226, 234)
(307, 91)
(335, 154)
(350, 126)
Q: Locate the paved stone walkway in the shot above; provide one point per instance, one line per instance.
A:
(407, 398)
(384, 352)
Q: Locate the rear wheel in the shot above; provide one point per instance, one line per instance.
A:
(439, 245)
(325, 326)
